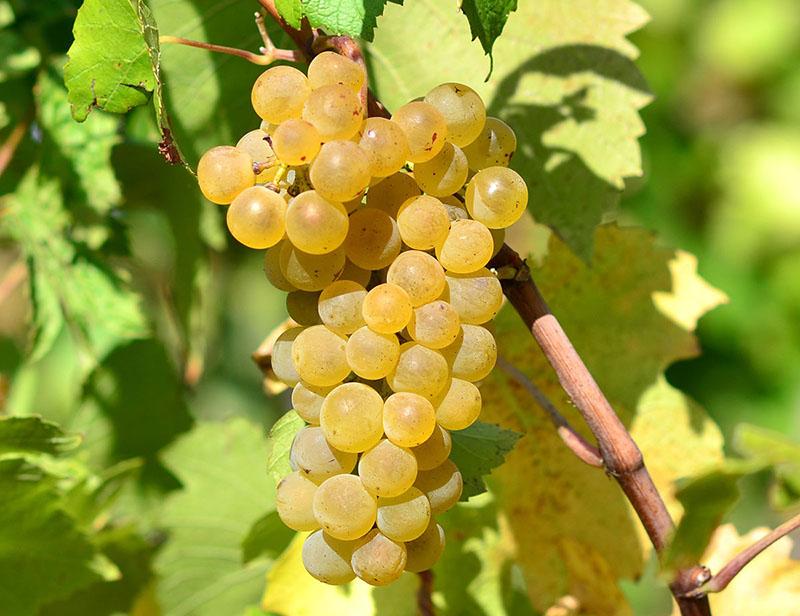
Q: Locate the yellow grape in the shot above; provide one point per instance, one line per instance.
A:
(355, 273)
(473, 354)
(256, 144)
(467, 247)
(423, 552)
(307, 401)
(316, 459)
(460, 406)
(433, 451)
(385, 144)
(419, 275)
(392, 192)
(351, 417)
(443, 174)
(372, 355)
(442, 485)
(434, 325)
(494, 146)
(340, 171)
(387, 308)
(498, 239)
(404, 517)
(340, 306)
(352, 205)
(310, 272)
(378, 560)
(387, 469)
(223, 172)
(318, 356)
(282, 364)
(272, 268)
(462, 109)
(456, 210)
(373, 240)
(477, 296)
(497, 197)
(296, 142)
(419, 370)
(314, 224)
(294, 502)
(423, 222)
(329, 68)
(302, 307)
(335, 111)
(343, 507)
(257, 217)
(408, 419)
(279, 93)
(328, 559)
(425, 129)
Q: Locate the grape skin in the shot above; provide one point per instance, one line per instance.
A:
(467, 247)
(442, 485)
(302, 307)
(434, 325)
(328, 559)
(423, 222)
(340, 171)
(433, 451)
(340, 306)
(351, 417)
(425, 129)
(387, 469)
(404, 517)
(316, 459)
(319, 357)
(385, 144)
(293, 501)
(423, 552)
(282, 364)
(408, 419)
(296, 142)
(497, 197)
(463, 110)
(223, 172)
(307, 401)
(387, 308)
(392, 192)
(419, 370)
(473, 354)
(370, 354)
(335, 111)
(460, 406)
(310, 272)
(378, 560)
(316, 225)
(280, 93)
(476, 297)
(257, 217)
(330, 68)
(443, 174)
(494, 146)
(373, 241)
(419, 275)
(343, 507)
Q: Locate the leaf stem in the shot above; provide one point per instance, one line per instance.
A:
(262, 59)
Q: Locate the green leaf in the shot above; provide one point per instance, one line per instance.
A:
(280, 442)
(267, 537)
(351, 17)
(109, 63)
(479, 449)
(34, 435)
(776, 450)
(291, 11)
(16, 56)
(487, 19)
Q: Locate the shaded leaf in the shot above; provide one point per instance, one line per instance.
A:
(776, 450)
(267, 537)
(478, 450)
(280, 442)
(16, 56)
(34, 435)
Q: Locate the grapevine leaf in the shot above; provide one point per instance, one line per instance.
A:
(280, 442)
(291, 11)
(351, 17)
(109, 63)
(267, 537)
(487, 19)
(778, 451)
(479, 449)
(34, 435)
(16, 57)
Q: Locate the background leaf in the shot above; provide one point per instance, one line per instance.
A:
(34, 435)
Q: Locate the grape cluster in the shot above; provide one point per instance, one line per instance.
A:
(380, 232)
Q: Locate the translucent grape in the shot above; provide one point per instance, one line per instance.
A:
(494, 146)
(314, 224)
(387, 469)
(497, 197)
(498, 239)
(356, 274)
(419, 370)
(340, 171)
(392, 192)
(408, 419)
(419, 275)
(372, 355)
(302, 307)
(223, 172)
(378, 560)
(423, 552)
(330, 68)
(307, 401)
(294, 502)
(385, 145)
(442, 485)
(328, 559)
(279, 93)
(316, 459)
(387, 308)
(476, 297)
(310, 272)
(257, 217)
(425, 129)
(335, 111)
(443, 174)
(433, 451)
(423, 222)
(404, 517)
(462, 109)
(434, 325)
(296, 142)
(351, 417)
(460, 406)
(256, 144)
(343, 507)
(467, 247)
(340, 306)
(272, 268)
(473, 355)
(373, 240)
(318, 355)
(281, 359)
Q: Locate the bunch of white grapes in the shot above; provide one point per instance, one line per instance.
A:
(384, 260)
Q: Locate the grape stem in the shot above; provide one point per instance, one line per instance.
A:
(267, 55)
(425, 594)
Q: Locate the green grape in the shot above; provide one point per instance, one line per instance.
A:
(310, 272)
(372, 355)
(340, 171)
(434, 325)
(307, 401)
(378, 560)
(329, 68)
(343, 507)
(313, 457)
(357, 274)
(257, 217)
(460, 406)
(335, 111)
(462, 109)
(328, 559)
(408, 419)
(373, 240)
(351, 417)
(433, 451)
(340, 306)
(302, 307)
(223, 172)
(423, 552)
(279, 93)
(387, 469)
(493, 147)
(385, 144)
(497, 197)
(423, 222)
(467, 247)
(256, 144)
(419, 275)
(387, 308)
(419, 370)
(281, 359)
(392, 192)
(477, 296)
(272, 268)
(315, 225)
(296, 142)
(443, 174)
(404, 517)
(442, 485)
(425, 129)
(318, 355)
(473, 355)
(294, 501)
